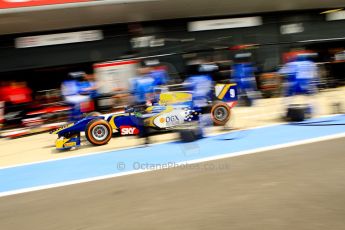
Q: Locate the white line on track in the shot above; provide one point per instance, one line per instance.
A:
(227, 155)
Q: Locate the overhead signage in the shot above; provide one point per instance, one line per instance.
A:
(147, 41)
(58, 39)
(224, 23)
(339, 15)
(293, 28)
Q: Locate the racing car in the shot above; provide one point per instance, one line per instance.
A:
(174, 111)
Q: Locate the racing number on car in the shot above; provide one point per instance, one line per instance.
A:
(232, 93)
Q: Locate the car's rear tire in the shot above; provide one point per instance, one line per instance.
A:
(98, 132)
(220, 113)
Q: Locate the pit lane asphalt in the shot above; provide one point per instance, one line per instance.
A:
(299, 187)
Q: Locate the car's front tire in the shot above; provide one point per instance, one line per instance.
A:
(98, 132)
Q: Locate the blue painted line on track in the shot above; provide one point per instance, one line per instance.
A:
(83, 167)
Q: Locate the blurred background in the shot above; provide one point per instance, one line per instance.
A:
(56, 54)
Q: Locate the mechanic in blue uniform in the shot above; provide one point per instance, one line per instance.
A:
(145, 86)
(87, 86)
(160, 77)
(243, 75)
(143, 89)
(200, 84)
(302, 77)
(142, 86)
(71, 91)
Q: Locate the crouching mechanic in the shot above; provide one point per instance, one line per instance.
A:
(302, 79)
(71, 92)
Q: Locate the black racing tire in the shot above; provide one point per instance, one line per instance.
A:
(191, 134)
(296, 113)
(98, 132)
(220, 113)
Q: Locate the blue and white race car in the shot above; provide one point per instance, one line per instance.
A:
(174, 111)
